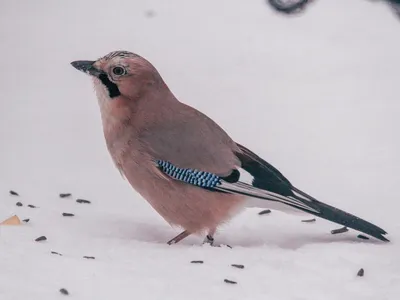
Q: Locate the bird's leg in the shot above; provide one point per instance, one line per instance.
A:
(209, 239)
(179, 237)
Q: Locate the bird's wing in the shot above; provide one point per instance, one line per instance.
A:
(267, 177)
(189, 139)
(269, 185)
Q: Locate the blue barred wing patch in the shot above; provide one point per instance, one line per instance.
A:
(194, 177)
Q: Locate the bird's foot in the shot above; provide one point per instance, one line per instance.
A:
(209, 240)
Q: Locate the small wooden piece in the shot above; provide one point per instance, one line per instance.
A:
(14, 220)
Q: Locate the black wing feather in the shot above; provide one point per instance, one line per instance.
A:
(269, 178)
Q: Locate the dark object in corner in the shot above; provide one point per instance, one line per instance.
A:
(14, 193)
(18, 204)
(25, 220)
(360, 273)
(264, 212)
(89, 257)
(289, 6)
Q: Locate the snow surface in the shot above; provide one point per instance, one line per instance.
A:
(316, 95)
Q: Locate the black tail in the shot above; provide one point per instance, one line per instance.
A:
(336, 215)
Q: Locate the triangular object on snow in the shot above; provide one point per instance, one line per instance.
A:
(14, 220)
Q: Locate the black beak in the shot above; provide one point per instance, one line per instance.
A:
(86, 66)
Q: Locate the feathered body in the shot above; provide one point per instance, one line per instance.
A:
(143, 122)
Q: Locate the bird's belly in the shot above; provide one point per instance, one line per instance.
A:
(189, 207)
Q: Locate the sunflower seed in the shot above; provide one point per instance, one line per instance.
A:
(67, 215)
(64, 292)
(41, 238)
(64, 195)
(197, 262)
(238, 266)
(230, 281)
(309, 220)
(83, 201)
(340, 230)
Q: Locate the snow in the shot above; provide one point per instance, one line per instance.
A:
(316, 95)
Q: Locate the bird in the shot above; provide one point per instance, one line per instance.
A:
(184, 164)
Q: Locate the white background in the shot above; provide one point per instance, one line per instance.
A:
(316, 95)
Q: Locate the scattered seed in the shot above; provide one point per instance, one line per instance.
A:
(309, 220)
(89, 257)
(340, 230)
(18, 204)
(83, 201)
(64, 195)
(56, 253)
(264, 212)
(238, 266)
(363, 237)
(25, 220)
(31, 206)
(67, 215)
(41, 238)
(14, 193)
(197, 262)
(64, 292)
(360, 272)
(230, 281)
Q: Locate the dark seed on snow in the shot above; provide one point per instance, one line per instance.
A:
(230, 281)
(340, 230)
(264, 212)
(309, 220)
(18, 204)
(363, 237)
(56, 253)
(41, 238)
(238, 266)
(67, 215)
(64, 195)
(83, 201)
(64, 292)
(25, 220)
(360, 272)
(31, 206)
(197, 262)
(14, 193)
(89, 257)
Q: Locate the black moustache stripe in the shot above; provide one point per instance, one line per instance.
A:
(112, 88)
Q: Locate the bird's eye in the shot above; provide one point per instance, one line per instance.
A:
(119, 71)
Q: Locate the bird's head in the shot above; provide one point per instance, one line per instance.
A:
(121, 74)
